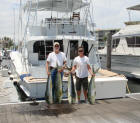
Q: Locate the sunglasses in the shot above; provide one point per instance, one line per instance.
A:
(80, 51)
(56, 45)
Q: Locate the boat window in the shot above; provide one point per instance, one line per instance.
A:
(40, 49)
(101, 33)
(36, 47)
(133, 41)
(43, 48)
(101, 44)
(137, 42)
(85, 46)
(61, 44)
(73, 49)
(48, 47)
(115, 43)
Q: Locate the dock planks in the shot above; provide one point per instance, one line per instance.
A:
(104, 111)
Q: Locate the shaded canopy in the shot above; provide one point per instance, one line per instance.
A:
(55, 5)
(128, 31)
(136, 7)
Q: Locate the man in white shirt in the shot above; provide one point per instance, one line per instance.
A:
(82, 66)
(55, 58)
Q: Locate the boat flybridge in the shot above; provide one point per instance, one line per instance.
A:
(69, 22)
(126, 49)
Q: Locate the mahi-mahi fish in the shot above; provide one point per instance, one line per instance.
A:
(71, 90)
(92, 88)
(91, 91)
(48, 93)
(58, 86)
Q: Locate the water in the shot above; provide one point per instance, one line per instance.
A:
(134, 85)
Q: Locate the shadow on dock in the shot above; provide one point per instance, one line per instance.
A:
(124, 110)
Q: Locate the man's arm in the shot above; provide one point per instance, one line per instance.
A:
(65, 61)
(47, 68)
(61, 70)
(64, 64)
(73, 68)
(90, 70)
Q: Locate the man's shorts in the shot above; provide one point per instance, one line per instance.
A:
(81, 82)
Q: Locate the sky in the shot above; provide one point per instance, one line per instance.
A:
(113, 13)
(107, 14)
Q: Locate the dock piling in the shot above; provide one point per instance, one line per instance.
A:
(109, 49)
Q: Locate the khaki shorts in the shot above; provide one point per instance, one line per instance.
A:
(81, 82)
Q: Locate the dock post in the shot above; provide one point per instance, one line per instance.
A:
(109, 49)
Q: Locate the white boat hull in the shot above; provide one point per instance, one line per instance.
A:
(108, 87)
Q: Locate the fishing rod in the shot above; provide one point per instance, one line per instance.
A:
(90, 49)
(67, 48)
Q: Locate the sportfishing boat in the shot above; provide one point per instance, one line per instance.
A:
(70, 23)
(125, 49)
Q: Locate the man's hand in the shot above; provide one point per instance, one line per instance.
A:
(48, 73)
(93, 75)
(60, 70)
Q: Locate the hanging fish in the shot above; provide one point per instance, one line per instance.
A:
(91, 91)
(58, 87)
(71, 90)
(48, 93)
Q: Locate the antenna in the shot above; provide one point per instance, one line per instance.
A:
(129, 14)
(14, 26)
(19, 23)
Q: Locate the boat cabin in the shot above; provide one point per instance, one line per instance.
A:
(39, 50)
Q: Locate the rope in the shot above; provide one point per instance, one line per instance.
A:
(126, 85)
(130, 96)
(128, 88)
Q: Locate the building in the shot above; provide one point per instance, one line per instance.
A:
(101, 36)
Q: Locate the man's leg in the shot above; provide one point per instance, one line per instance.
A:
(78, 94)
(62, 75)
(85, 94)
(85, 87)
(78, 88)
(53, 76)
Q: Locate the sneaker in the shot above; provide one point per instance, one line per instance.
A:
(79, 102)
(86, 101)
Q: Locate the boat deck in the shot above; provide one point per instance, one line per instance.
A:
(102, 73)
(104, 111)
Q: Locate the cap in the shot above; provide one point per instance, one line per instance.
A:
(56, 43)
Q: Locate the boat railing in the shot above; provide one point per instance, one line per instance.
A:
(62, 21)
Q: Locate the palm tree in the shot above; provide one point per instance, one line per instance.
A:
(6, 42)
